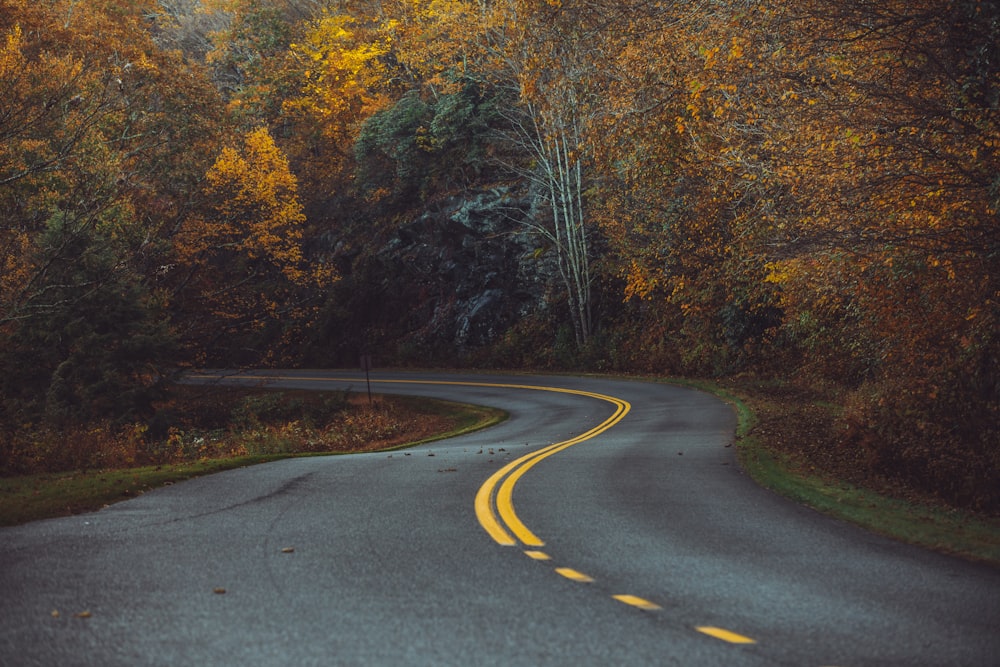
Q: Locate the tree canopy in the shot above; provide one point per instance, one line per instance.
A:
(805, 189)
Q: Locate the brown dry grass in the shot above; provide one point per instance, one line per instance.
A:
(195, 423)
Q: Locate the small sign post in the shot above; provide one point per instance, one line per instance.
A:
(366, 366)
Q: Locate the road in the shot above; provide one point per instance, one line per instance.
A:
(641, 542)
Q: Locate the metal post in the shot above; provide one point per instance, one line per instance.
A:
(366, 365)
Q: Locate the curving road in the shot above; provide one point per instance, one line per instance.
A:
(605, 523)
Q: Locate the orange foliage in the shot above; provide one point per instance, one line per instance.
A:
(805, 182)
(834, 164)
(257, 208)
(246, 257)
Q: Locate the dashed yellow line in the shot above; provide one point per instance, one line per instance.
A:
(494, 500)
(636, 601)
(570, 573)
(725, 635)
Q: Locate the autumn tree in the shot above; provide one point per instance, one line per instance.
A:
(666, 201)
(537, 54)
(243, 262)
(829, 186)
(898, 188)
(435, 134)
(243, 41)
(98, 354)
(99, 147)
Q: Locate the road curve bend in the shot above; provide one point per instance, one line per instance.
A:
(605, 523)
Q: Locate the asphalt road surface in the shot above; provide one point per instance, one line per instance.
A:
(605, 523)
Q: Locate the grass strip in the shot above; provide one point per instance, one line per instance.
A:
(465, 417)
(32, 497)
(932, 526)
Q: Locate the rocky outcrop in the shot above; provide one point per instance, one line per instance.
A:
(470, 268)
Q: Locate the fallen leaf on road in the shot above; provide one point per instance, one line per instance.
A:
(219, 591)
(288, 550)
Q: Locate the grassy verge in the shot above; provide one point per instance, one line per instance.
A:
(772, 461)
(462, 418)
(31, 497)
(929, 525)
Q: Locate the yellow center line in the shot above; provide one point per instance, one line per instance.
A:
(725, 635)
(636, 601)
(504, 496)
(570, 573)
(494, 504)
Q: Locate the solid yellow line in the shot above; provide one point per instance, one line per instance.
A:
(504, 504)
(725, 635)
(490, 519)
(570, 573)
(636, 601)
(504, 499)
(484, 497)
(484, 505)
(484, 508)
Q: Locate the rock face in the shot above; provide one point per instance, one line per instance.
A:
(471, 268)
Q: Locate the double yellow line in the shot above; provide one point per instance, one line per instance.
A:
(494, 500)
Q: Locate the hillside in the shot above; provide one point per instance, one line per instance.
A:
(800, 193)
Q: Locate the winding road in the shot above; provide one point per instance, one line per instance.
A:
(606, 522)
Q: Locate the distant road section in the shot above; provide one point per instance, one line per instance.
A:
(605, 523)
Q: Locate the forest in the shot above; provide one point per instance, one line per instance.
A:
(804, 191)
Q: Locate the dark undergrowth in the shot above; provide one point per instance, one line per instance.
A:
(201, 430)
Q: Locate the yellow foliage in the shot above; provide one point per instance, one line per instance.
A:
(258, 203)
(777, 272)
(345, 69)
(639, 281)
(11, 58)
